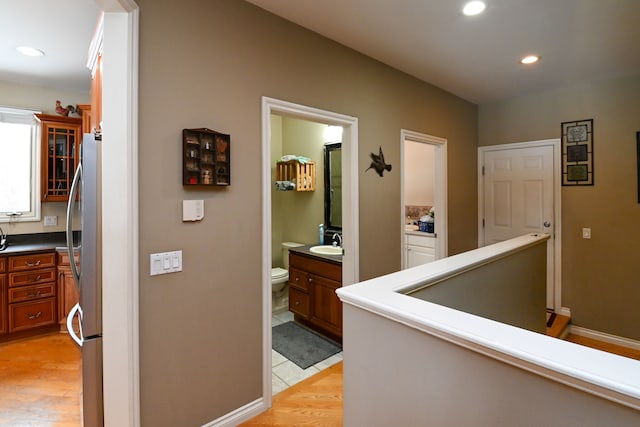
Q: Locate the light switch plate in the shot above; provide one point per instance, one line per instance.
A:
(165, 262)
(586, 233)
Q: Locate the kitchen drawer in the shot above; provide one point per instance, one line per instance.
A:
(30, 262)
(3, 264)
(299, 302)
(425, 241)
(298, 279)
(28, 293)
(63, 259)
(32, 277)
(26, 315)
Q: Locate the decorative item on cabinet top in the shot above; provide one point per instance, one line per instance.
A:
(206, 158)
(295, 173)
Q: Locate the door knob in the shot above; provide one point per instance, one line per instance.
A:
(547, 224)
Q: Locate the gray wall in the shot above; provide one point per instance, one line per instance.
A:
(417, 379)
(599, 276)
(207, 64)
(510, 290)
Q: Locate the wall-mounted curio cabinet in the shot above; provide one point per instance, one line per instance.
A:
(60, 138)
(205, 157)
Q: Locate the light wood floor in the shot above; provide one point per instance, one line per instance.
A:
(40, 382)
(605, 346)
(316, 401)
(40, 386)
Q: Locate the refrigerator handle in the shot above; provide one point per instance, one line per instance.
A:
(75, 310)
(72, 195)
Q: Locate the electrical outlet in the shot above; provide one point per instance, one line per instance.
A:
(586, 233)
(50, 221)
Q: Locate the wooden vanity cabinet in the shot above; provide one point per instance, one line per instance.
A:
(312, 293)
(31, 292)
(67, 290)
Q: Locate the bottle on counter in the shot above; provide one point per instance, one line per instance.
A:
(321, 230)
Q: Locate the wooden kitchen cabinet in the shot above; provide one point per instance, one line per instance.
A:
(312, 297)
(3, 298)
(31, 295)
(67, 290)
(60, 147)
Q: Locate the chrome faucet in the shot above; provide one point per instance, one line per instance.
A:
(334, 239)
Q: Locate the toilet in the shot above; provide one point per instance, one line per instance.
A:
(279, 275)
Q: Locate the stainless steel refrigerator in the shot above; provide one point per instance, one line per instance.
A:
(84, 203)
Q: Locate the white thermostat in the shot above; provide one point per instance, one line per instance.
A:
(192, 210)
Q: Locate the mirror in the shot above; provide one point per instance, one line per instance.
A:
(333, 187)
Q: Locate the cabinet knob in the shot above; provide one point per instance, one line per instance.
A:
(297, 279)
(310, 280)
(297, 302)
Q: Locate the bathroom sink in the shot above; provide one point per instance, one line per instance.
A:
(326, 250)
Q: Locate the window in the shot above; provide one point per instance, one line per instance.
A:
(19, 199)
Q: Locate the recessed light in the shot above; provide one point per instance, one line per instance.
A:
(529, 59)
(29, 51)
(473, 8)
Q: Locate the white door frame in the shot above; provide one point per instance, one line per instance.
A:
(350, 221)
(557, 203)
(439, 193)
(120, 232)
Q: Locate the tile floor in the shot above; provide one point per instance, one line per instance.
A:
(284, 372)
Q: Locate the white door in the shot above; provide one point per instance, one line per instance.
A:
(518, 187)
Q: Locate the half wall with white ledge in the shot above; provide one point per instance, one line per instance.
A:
(461, 341)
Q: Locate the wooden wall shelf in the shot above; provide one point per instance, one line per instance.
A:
(206, 157)
(303, 175)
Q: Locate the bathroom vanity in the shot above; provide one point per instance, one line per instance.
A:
(313, 280)
(420, 248)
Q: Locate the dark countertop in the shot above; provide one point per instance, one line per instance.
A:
(37, 242)
(305, 250)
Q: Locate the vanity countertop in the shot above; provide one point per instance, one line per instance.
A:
(34, 243)
(305, 250)
(419, 233)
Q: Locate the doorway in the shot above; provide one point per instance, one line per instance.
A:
(350, 263)
(437, 166)
(519, 193)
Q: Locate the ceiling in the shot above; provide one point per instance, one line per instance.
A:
(475, 58)
(63, 29)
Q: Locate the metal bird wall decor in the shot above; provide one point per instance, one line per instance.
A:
(377, 163)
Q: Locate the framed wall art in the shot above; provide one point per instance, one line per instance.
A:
(577, 153)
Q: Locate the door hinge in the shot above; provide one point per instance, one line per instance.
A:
(482, 222)
(482, 170)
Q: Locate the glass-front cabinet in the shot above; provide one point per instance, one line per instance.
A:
(61, 137)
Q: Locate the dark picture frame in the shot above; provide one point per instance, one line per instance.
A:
(577, 153)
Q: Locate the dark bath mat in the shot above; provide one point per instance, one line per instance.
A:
(300, 345)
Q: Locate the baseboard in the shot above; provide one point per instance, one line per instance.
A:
(240, 415)
(601, 336)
